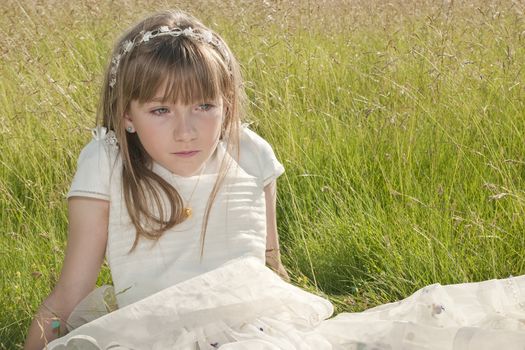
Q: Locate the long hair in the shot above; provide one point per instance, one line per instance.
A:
(190, 70)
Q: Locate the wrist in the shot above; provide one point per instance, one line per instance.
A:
(273, 257)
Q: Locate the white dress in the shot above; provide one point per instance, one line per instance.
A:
(168, 299)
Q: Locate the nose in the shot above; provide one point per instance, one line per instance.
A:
(184, 129)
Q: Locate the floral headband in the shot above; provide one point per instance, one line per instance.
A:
(202, 36)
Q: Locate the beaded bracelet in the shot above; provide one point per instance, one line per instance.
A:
(55, 326)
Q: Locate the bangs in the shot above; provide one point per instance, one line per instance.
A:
(182, 72)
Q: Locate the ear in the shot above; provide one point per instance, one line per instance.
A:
(128, 122)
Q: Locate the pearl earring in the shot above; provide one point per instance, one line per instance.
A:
(129, 129)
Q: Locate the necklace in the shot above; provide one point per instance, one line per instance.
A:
(186, 209)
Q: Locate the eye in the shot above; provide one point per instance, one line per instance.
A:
(160, 111)
(205, 107)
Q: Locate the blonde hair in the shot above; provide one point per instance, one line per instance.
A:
(191, 70)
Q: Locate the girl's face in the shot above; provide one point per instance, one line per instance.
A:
(179, 137)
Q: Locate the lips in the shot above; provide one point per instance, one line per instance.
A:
(186, 154)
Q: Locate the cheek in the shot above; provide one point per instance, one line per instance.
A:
(150, 136)
(212, 128)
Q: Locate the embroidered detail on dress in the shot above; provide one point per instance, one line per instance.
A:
(101, 133)
(215, 345)
(437, 309)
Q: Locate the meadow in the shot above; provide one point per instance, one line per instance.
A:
(400, 124)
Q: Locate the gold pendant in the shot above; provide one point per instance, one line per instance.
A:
(187, 212)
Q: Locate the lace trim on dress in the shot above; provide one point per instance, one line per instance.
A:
(101, 133)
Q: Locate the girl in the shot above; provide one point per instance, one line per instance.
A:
(180, 198)
(164, 190)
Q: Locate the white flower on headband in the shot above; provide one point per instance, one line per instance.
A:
(127, 46)
(146, 37)
(113, 71)
(164, 29)
(188, 31)
(207, 37)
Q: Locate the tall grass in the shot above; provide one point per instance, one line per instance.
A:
(400, 125)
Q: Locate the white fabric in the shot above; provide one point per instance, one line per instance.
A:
(95, 168)
(257, 157)
(243, 305)
(98, 303)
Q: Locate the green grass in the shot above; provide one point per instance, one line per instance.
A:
(401, 127)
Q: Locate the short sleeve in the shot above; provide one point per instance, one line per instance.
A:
(94, 167)
(257, 158)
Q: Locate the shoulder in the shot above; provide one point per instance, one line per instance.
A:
(95, 165)
(257, 157)
(250, 141)
(97, 151)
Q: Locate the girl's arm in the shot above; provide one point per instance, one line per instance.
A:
(273, 255)
(87, 236)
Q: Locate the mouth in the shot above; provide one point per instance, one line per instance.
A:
(186, 154)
